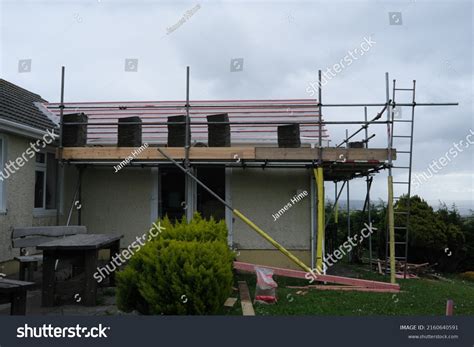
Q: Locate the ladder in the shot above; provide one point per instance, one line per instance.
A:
(404, 156)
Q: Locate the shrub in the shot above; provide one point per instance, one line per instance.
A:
(199, 229)
(187, 269)
(469, 275)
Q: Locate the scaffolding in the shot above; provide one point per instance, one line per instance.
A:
(334, 164)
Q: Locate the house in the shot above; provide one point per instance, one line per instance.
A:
(124, 189)
(28, 192)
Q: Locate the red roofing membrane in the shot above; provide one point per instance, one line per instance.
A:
(281, 111)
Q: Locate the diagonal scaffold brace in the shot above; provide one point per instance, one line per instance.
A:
(239, 214)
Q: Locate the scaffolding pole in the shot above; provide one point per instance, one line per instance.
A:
(369, 219)
(318, 175)
(349, 254)
(257, 106)
(58, 170)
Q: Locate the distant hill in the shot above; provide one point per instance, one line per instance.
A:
(464, 206)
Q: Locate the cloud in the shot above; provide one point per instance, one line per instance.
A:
(283, 45)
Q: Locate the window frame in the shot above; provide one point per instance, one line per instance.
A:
(43, 211)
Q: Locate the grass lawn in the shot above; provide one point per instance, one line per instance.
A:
(417, 297)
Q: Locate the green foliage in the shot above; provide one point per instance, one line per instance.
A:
(442, 236)
(469, 275)
(187, 269)
(435, 237)
(199, 229)
(467, 227)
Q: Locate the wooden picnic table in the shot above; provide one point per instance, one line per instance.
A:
(14, 292)
(83, 248)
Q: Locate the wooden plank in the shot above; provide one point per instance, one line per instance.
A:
(329, 154)
(245, 301)
(32, 241)
(228, 153)
(348, 288)
(52, 231)
(80, 242)
(8, 285)
(114, 250)
(151, 153)
(47, 290)
(230, 302)
(320, 278)
(18, 302)
(29, 258)
(90, 291)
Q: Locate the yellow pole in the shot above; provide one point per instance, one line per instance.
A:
(272, 241)
(318, 174)
(391, 229)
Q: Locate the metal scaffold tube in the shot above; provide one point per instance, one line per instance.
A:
(318, 175)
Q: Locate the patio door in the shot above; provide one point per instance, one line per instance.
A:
(207, 205)
(172, 190)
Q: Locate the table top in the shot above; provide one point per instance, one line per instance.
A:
(80, 242)
(10, 285)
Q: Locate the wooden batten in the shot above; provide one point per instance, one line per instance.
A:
(230, 153)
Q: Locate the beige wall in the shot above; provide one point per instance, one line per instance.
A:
(260, 193)
(117, 203)
(122, 203)
(19, 194)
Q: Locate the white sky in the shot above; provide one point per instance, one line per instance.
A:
(283, 44)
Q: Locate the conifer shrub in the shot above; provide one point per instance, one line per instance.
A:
(186, 269)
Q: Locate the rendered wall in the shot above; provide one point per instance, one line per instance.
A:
(259, 194)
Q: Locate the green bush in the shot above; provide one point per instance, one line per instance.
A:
(187, 269)
(199, 229)
(468, 275)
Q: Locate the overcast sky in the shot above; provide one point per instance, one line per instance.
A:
(282, 44)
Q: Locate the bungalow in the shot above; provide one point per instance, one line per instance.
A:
(255, 173)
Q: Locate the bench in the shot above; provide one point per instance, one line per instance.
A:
(14, 292)
(34, 236)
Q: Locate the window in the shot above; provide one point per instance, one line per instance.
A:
(3, 153)
(45, 181)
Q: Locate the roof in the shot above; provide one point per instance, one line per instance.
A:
(21, 106)
(269, 113)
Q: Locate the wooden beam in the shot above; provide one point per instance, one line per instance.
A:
(347, 288)
(245, 301)
(230, 302)
(329, 154)
(343, 155)
(247, 267)
(151, 153)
